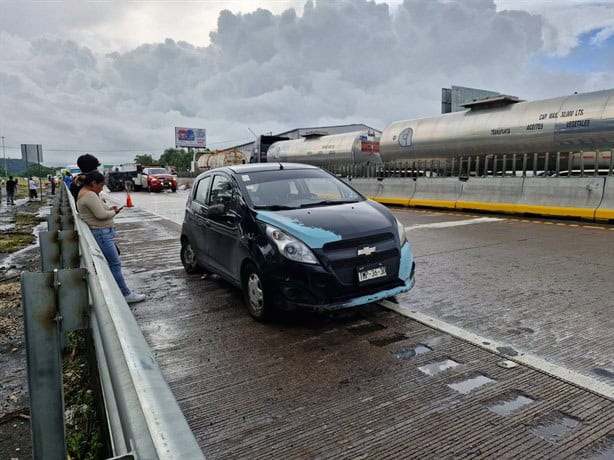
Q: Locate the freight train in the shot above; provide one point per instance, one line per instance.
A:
(505, 125)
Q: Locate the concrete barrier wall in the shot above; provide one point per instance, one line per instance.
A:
(370, 187)
(565, 197)
(436, 192)
(497, 194)
(606, 207)
(396, 190)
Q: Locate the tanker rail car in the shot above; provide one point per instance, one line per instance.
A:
(221, 158)
(356, 147)
(505, 125)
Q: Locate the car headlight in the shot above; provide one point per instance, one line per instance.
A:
(290, 247)
(401, 232)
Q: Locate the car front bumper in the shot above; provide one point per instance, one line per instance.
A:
(291, 285)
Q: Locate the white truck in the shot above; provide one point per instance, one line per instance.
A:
(132, 176)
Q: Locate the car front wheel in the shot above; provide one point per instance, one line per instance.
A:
(188, 258)
(254, 294)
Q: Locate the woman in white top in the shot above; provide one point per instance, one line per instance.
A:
(99, 217)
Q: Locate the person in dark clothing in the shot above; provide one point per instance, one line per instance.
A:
(11, 186)
(87, 163)
(52, 183)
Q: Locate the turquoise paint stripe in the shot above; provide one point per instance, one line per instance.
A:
(313, 237)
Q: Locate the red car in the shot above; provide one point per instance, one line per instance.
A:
(158, 179)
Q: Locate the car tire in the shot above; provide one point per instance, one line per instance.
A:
(174, 189)
(149, 189)
(254, 294)
(188, 258)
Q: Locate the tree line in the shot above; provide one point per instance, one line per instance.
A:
(179, 158)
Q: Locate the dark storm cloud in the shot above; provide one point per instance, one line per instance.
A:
(335, 62)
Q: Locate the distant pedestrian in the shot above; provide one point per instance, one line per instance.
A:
(87, 163)
(52, 182)
(68, 179)
(33, 188)
(11, 186)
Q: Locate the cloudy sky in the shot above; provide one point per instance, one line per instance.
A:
(115, 77)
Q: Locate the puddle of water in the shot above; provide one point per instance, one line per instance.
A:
(364, 329)
(552, 430)
(440, 366)
(411, 352)
(508, 406)
(506, 364)
(387, 340)
(602, 449)
(467, 386)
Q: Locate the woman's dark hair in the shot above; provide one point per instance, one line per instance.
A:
(93, 176)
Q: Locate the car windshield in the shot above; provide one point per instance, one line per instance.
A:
(156, 171)
(296, 188)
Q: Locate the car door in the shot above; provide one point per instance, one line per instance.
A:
(223, 226)
(196, 215)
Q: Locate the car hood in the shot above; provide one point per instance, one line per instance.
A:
(162, 176)
(325, 224)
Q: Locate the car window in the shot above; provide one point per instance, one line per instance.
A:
(286, 189)
(200, 194)
(221, 191)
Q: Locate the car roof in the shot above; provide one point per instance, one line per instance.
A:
(257, 167)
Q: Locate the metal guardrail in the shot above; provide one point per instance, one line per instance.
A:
(143, 418)
(581, 164)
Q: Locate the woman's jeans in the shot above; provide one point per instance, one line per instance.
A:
(104, 238)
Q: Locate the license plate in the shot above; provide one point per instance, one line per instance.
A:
(372, 273)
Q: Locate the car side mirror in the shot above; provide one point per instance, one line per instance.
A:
(217, 210)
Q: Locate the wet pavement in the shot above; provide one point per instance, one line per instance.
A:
(370, 383)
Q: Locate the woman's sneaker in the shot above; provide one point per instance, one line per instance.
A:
(133, 297)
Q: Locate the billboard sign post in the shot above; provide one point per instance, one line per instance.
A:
(190, 137)
(33, 153)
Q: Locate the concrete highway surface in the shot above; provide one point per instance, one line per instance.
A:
(462, 365)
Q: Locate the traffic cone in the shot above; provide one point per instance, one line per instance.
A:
(128, 200)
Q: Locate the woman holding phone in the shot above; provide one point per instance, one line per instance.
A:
(95, 212)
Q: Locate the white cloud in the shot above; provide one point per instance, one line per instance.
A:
(267, 70)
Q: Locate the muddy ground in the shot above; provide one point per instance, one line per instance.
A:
(15, 439)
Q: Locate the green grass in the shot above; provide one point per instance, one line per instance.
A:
(14, 241)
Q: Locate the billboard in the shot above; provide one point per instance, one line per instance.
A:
(190, 137)
(32, 153)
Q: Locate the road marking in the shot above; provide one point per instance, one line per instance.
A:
(532, 361)
(455, 223)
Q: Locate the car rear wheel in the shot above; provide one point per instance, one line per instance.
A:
(150, 189)
(188, 258)
(254, 294)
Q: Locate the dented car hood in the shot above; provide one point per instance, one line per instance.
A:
(325, 224)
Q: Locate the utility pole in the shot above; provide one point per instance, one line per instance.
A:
(6, 172)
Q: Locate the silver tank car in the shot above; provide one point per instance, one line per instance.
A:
(353, 147)
(505, 125)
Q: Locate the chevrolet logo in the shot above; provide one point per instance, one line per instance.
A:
(366, 251)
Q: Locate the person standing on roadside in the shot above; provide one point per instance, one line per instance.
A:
(33, 188)
(87, 163)
(99, 218)
(68, 179)
(11, 187)
(52, 182)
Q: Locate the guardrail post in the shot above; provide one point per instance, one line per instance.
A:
(611, 163)
(558, 164)
(54, 303)
(42, 331)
